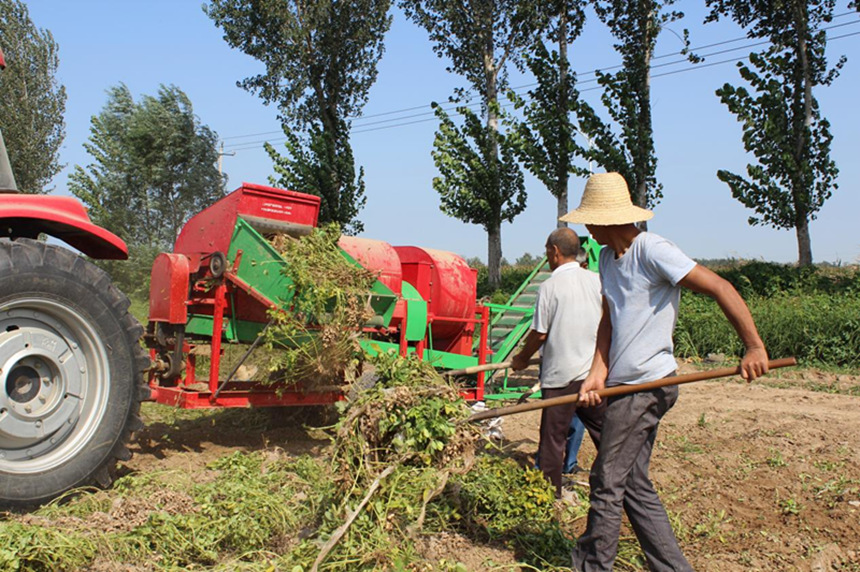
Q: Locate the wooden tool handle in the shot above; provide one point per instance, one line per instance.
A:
(485, 367)
(624, 389)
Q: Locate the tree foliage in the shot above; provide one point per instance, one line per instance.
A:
(544, 139)
(317, 163)
(474, 184)
(320, 58)
(154, 166)
(32, 101)
(635, 24)
(479, 40)
(782, 122)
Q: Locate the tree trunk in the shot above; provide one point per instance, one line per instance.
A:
(645, 140)
(803, 120)
(562, 206)
(563, 167)
(804, 245)
(494, 231)
(494, 256)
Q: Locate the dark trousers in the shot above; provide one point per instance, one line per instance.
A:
(554, 426)
(619, 481)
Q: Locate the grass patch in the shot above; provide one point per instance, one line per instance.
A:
(251, 501)
(775, 460)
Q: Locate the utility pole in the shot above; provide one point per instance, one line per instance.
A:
(221, 154)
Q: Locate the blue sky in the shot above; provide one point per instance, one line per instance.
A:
(152, 42)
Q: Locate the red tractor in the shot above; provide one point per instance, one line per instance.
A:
(71, 365)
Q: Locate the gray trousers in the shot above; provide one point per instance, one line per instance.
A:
(619, 481)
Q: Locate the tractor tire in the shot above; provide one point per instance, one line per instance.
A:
(71, 374)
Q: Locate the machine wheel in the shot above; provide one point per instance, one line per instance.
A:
(71, 373)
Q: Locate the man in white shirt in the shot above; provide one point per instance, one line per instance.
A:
(567, 312)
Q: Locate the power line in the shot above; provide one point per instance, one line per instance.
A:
(693, 50)
(515, 88)
(398, 122)
(688, 69)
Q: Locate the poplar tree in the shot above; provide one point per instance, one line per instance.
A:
(544, 139)
(32, 101)
(479, 39)
(480, 181)
(782, 122)
(321, 60)
(635, 24)
(154, 167)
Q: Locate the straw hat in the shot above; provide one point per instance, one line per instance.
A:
(606, 201)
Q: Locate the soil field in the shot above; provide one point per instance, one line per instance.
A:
(763, 476)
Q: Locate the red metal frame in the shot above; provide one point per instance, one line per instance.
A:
(242, 396)
(237, 394)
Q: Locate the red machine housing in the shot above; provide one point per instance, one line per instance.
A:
(168, 291)
(265, 207)
(377, 256)
(209, 233)
(450, 288)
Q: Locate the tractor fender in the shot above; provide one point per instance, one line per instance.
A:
(61, 217)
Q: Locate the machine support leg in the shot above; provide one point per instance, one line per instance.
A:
(217, 332)
(236, 367)
(403, 349)
(482, 349)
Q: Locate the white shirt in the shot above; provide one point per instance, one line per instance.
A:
(568, 310)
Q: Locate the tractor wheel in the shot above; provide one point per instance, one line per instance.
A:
(71, 373)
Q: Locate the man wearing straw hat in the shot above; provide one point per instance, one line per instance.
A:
(641, 275)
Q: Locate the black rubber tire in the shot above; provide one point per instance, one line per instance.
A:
(51, 275)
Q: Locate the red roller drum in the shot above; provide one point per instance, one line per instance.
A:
(446, 282)
(377, 256)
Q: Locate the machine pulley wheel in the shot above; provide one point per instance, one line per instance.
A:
(71, 373)
(217, 264)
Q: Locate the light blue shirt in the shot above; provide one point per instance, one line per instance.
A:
(641, 288)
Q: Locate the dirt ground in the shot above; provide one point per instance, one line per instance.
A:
(755, 477)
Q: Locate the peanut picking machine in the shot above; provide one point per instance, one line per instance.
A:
(224, 276)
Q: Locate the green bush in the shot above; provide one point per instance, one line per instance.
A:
(821, 329)
(769, 279)
(501, 501)
(499, 498)
(512, 279)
